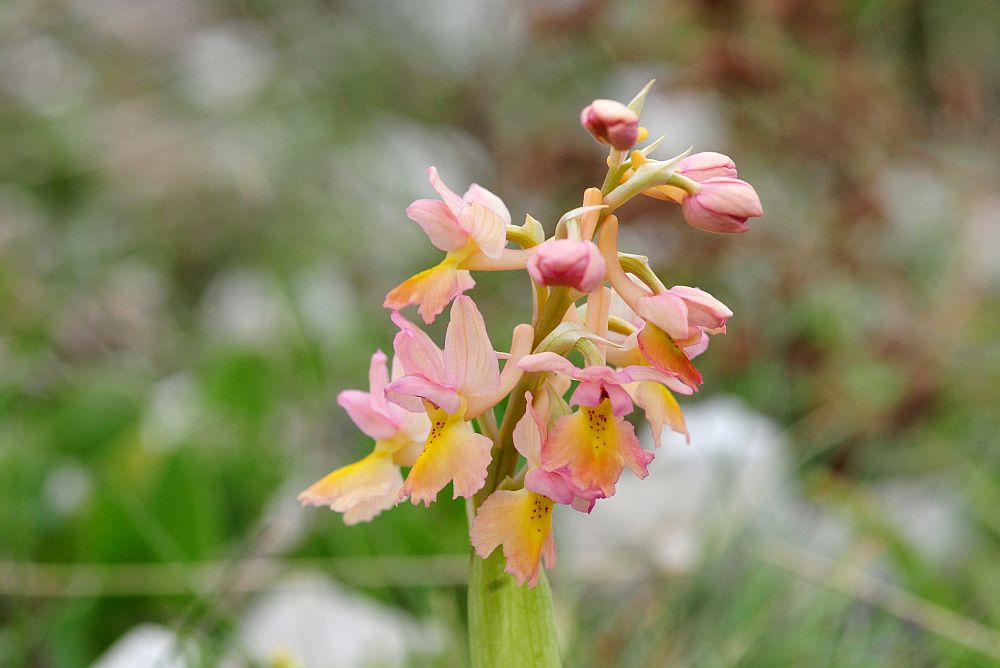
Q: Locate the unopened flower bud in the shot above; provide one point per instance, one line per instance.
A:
(612, 123)
(722, 204)
(578, 264)
(704, 166)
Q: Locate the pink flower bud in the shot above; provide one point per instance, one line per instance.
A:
(704, 166)
(612, 123)
(578, 264)
(722, 204)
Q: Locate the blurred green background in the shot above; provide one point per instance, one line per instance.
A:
(201, 209)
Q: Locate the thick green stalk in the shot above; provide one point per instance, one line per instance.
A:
(509, 626)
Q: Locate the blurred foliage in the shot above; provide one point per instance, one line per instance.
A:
(195, 204)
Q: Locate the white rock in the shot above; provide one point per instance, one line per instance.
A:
(144, 646)
(313, 622)
(735, 472)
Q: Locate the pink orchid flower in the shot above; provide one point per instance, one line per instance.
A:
(453, 386)
(722, 204)
(463, 227)
(530, 433)
(365, 488)
(576, 263)
(698, 167)
(595, 444)
(611, 122)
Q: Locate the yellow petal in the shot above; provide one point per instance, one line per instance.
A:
(360, 490)
(521, 521)
(454, 453)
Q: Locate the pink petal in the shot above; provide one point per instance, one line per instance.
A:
(528, 437)
(703, 166)
(433, 289)
(552, 484)
(649, 373)
(469, 359)
(698, 348)
(378, 378)
(453, 201)
(594, 446)
(416, 350)
(486, 228)
(415, 385)
(636, 459)
(704, 310)
(438, 223)
(547, 361)
(666, 311)
(480, 195)
(359, 407)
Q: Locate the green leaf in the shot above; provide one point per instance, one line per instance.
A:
(509, 625)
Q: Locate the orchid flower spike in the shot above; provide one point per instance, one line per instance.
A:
(453, 386)
(365, 488)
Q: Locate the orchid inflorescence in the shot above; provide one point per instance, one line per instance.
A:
(434, 413)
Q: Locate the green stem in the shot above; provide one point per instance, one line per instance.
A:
(509, 626)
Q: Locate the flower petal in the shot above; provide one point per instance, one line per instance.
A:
(432, 289)
(360, 490)
(664, 354)
(455, 453)
(412, 385)
(528, 435)
(547, 361)
(469, 359)
(358, 405)
(666, 311)
(661, 408)
(438, 223)
(520, 521)
(480, 195)
(487, 229)
(594, 446)
(650, 373)
(451, 200)
(552, 484)
(418, 353)
(378, 378)
(704, 310)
